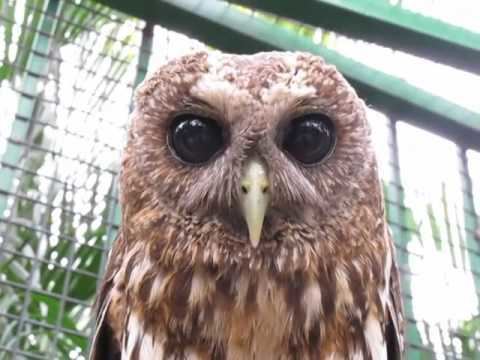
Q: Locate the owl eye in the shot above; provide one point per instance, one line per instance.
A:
(309, 138)
(195, 139)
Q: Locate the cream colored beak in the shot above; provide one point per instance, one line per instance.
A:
(255, 195)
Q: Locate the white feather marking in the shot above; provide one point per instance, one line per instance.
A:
(139, 271)
(121, 274)
(375, 339)
(295, 255)
(198, 288)
(312, 301)
(242, 290)
(157, 287)
(150, 349)
(281, 92)
(191, 354)
(344, 294)
(213, 88)
(384, 293)
(135, 332)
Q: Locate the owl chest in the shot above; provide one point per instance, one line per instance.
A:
(210, 333)
(200, 315)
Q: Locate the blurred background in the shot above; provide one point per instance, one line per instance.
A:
(68, 69)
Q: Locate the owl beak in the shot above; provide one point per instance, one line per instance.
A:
(255, 196)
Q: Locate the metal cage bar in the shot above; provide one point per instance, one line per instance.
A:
(382, 23)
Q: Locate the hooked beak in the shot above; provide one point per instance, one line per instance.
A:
(255, 196)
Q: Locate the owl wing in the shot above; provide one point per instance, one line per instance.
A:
(395, 324)
(104, 346)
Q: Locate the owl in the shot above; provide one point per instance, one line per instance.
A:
(253, 222)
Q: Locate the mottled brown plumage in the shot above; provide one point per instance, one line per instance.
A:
(183, 280)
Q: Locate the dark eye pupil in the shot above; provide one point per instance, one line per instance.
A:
(310, 138)
(195, 139)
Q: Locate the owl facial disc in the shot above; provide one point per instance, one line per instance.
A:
(254, 197)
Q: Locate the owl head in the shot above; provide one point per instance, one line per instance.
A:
(257, 160)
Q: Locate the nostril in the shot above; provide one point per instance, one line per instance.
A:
(244, 189)
(264, 188)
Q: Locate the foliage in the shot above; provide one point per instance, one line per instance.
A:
(53, 238)
(468, 334)
(432, 224)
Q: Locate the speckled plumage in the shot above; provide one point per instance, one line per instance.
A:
(183, 281)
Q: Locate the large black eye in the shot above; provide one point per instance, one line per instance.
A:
(309, 138)
(195, 139)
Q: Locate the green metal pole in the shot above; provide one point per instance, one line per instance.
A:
(397, 216)
(35, 73)
(37, 64)
(145, 52)
(381, 23)
(470, 217)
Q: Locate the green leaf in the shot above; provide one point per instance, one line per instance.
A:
(6, 71)
(53, 312)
